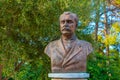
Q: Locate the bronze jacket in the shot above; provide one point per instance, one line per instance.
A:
(73, 61)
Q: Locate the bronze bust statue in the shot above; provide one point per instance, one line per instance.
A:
(68, 54)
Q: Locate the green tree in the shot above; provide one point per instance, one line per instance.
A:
(26, 27)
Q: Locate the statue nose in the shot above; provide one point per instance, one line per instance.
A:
(66, 25)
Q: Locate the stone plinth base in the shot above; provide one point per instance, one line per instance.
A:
(69, 76)
(68, 79)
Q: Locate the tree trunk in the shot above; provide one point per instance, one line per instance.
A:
(96, 31)
(106, 31)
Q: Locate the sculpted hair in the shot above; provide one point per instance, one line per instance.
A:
(72, 14)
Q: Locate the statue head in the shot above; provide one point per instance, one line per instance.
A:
(68, 23)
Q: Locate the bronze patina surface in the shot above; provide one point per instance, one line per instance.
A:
(68, 54)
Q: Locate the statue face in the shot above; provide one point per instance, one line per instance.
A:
(67, 24)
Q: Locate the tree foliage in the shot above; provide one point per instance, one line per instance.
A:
(27, 26)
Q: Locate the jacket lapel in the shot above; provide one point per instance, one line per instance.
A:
(60, 48)
(69, 55)
(73, 52)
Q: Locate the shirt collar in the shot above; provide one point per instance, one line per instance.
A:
(73, 38)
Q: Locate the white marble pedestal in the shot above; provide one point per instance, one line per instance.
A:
(69, 76)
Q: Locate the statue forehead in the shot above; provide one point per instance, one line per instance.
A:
(67, 16)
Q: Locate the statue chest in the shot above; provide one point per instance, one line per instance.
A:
(74, 61)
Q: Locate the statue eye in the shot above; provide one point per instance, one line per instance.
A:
(63, 22)
(69, 21)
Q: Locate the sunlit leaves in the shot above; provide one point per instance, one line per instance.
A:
(116, 27)
(115, 3)
(109, 40)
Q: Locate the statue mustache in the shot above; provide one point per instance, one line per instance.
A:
(66, 28)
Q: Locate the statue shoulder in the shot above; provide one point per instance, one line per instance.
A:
(53, 43)
(49, 47)
(86, 45)
(83, 42)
